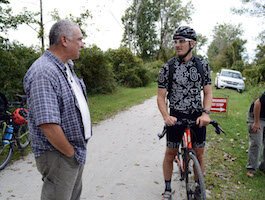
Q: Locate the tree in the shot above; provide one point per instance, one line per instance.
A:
(140, 29)
(81, 21)
(226, 49)
(171, 14)
(149, 25)
(253, 7)
(10, 21)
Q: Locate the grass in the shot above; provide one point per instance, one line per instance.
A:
(105, 106)
(227, 154)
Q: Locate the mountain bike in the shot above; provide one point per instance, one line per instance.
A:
(189, 166)
(14, 130)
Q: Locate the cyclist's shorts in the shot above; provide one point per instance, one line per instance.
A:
(174, 133)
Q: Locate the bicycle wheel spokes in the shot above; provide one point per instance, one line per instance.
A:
(195, 186)
(6, 152)
(22, 136)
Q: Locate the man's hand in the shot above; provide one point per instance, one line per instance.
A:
(203, 120)
(255, 127)
(170, 120)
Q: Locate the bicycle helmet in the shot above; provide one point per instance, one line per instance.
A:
(19, 116)
(185, 32)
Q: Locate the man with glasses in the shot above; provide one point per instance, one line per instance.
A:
(180, 82)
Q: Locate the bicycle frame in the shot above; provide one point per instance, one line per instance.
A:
(189, 167)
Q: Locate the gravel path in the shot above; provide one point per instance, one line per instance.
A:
(124, 161)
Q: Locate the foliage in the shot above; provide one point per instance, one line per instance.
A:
(171, 15)
(14, 63)
(227, 154)
(226, 49)
(10, 21)
(252, 7)
(128, 69)
(81, 21)
(96, 71)
(149, 26)
(153, 68)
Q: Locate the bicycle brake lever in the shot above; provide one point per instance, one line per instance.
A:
(161, 135)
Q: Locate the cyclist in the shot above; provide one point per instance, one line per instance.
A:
(183, 93)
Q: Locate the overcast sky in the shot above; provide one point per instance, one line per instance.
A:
(105, 28)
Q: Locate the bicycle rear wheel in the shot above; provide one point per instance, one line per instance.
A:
(195, 186)
(22, 136)
(6, 152)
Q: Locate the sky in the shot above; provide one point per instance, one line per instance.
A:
(105, 28)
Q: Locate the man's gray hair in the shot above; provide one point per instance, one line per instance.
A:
(61, 28)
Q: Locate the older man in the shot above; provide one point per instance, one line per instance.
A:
(59, 118)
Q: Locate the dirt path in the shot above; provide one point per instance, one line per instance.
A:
(124, 161)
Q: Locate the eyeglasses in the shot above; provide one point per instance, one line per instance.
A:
(182, 41)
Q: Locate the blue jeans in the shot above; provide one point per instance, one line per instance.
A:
(62, 176)
(256, 146)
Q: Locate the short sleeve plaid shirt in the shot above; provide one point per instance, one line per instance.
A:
(51, 100)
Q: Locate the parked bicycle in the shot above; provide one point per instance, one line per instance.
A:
(14, 130)
(188, 164)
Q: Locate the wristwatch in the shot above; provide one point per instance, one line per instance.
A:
(206, 111)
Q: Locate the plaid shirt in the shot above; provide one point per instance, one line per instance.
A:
(51, 100)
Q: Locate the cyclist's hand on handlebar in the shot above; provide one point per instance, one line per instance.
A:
(203, 120)
(170, 120)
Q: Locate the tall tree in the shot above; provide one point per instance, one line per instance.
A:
(149, 25)
(140, 29)
(227, 47)
(171, 14)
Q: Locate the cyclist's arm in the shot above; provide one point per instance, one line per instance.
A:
(207, 100)
(162, 105)
(204, 119)
(56, 137)
(256, 111)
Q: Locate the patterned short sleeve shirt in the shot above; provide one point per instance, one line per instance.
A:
(185, 94)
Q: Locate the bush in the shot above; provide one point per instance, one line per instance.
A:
(128, 69)
(96, 71)
(14, 63)
(153, 68)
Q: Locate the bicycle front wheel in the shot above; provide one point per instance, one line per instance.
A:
(22, 136)
(6, 152)
(195, 186)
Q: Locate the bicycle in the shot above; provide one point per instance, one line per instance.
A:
(189, 166)
(14, 131)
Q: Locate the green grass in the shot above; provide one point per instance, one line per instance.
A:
(104, 106)
(227, 154)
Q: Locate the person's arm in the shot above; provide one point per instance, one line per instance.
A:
(162, 105)
(256, 112)
(56, 137)
(204, 119)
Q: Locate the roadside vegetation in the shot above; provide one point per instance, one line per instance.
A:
(227, 154)
(120, 78)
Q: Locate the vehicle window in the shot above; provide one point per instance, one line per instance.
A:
(231, 74)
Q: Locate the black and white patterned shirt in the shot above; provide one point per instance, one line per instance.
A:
(185, 94)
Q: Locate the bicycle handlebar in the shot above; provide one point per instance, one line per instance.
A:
(214, 123)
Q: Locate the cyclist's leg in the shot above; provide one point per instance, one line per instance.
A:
(173, 139)
(199, 144)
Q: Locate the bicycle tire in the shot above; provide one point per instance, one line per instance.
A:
(195, 188)
(22, 136)
(6, 152)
